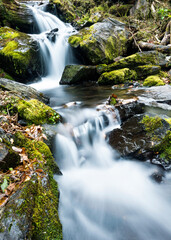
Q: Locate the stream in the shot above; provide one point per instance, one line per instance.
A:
(102, 196)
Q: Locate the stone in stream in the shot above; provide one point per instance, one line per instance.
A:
(135, 139)
(19, 55)
(77, 74)
(102, 42)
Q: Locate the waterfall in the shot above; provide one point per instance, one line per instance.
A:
(102, 197)
(54, 48)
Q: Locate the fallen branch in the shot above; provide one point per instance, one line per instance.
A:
(150, 46)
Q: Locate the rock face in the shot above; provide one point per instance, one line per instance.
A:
(102, 42)
(14, 14)
(19, 54)
(77, 74)
(22, 90)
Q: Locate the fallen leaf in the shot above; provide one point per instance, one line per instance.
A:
(16, 149)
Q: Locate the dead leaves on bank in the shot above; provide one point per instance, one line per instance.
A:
(11, 180)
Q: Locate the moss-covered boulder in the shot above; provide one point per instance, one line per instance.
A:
(16, 15)
(19, 54)
(144, 138)
(102, 42)
(153, 80)
(117, 76)
(77, 74)
(36, 112)
(137, 59)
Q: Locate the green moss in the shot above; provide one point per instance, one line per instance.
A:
(146, 70)
(168, 120)
(3, 74)
(151, 123)
(117, 76)
(164, 148)
(36, 202)
(153, 81)
(120, 10)
(138, 59)
(10, 47)
(36, 112)
(113, 101)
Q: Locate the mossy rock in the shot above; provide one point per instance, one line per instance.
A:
(36, 112)
(32, 212)
(120, 10)
(78, 74)
(3, 74)
(117, 76)
(102, 42)
(16, 15)
(146, 70)
(137, 59)
(19, 55)
(153, 80)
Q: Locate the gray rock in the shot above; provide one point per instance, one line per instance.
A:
(102, 42)
(77, 74)
(22, 90)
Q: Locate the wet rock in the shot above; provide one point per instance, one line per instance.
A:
(158, 175)
(102, 42)
(19, 55)
(22, 90)
(52, 35)
(129, 108)
(77, 74)
(132, 140)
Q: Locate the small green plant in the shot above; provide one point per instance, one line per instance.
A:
(164, 13)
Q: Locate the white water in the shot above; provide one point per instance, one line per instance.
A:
(58, 51)
(101, 197)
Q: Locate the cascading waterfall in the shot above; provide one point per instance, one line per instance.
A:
(102, 197)
(55, 50)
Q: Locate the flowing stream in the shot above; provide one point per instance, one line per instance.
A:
(102, 196)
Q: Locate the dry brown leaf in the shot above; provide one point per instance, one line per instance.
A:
(3, 201)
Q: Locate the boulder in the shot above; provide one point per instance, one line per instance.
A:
(22, 90)
(15, 14)
(102, 42)
(117, 76)
(135, 60)
(129, 108)
(77, 74)
(19, 55)
(146, 70)
(140, 138)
